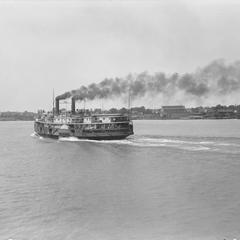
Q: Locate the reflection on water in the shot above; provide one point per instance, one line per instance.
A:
(171, 180)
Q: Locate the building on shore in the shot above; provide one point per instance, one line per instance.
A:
(174, 112)
(221, 113)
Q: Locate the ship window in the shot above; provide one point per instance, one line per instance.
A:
(124, 125)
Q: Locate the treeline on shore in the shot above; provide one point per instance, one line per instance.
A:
(17, 116)
(179, 112)
(165, 112)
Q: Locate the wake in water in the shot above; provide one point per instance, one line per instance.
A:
(183, 143)
(190, 144)
(35, 135)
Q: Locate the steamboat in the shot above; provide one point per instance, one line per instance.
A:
(82, 125)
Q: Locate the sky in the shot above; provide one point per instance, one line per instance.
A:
(62, 45)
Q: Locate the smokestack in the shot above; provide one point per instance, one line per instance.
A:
(73, 105)
(57, 106)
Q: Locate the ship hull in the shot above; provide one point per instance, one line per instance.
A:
(97, 138)
(55, 131)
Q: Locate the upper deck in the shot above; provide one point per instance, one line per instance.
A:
(83, 119)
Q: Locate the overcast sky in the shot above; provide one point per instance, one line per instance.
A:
(66, 44)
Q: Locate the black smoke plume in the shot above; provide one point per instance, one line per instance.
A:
(216, 79)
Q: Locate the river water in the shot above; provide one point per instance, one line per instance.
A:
(171, 180)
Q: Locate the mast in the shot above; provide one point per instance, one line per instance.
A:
(84, 105)
(53, 102)
(129, 102)
(102, 106)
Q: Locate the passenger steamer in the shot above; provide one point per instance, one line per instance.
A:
(82, 125)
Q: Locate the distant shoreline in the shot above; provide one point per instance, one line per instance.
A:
(16, 120)
(17, 116)
(178, 112)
